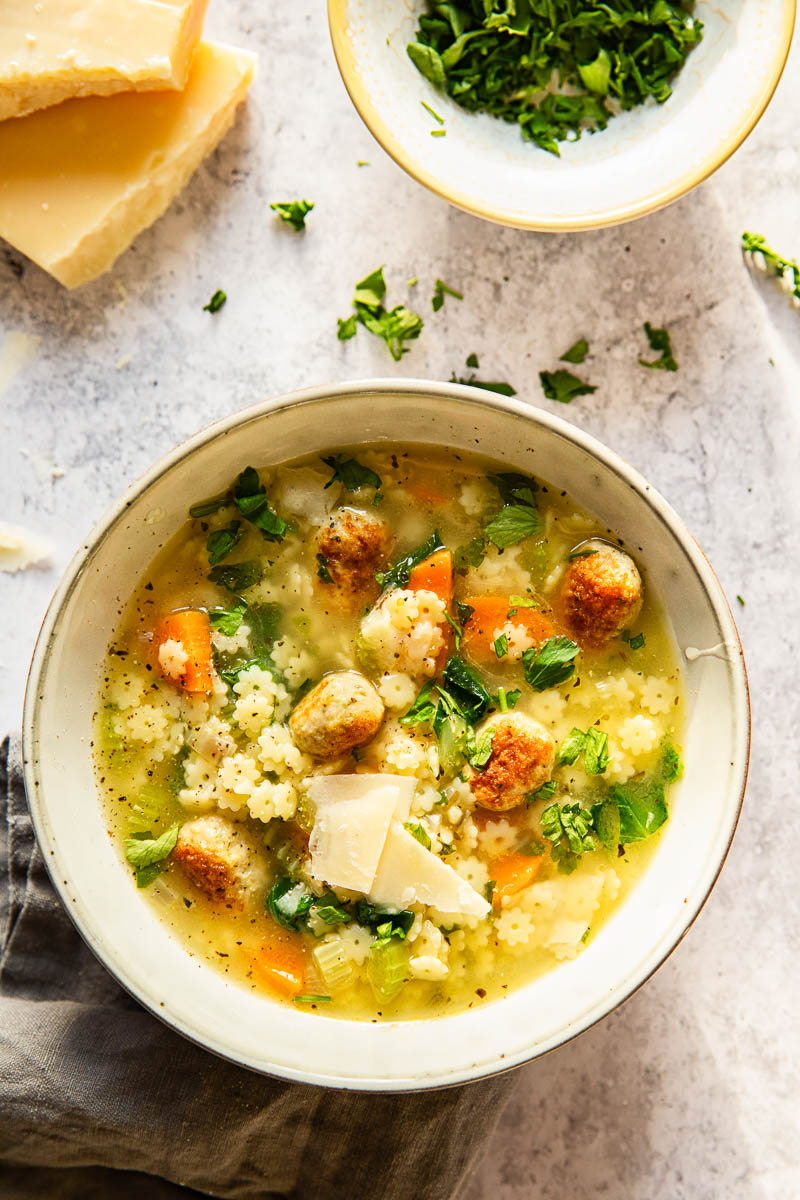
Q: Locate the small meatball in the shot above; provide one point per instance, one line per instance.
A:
(601, 594)
(406, 633)
(354, 545)
(520, 762)
(341, 713)
(219, 858)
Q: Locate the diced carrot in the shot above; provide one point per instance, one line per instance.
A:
(512, 873)
(434, 574)
(281, 962)
(191, 628)
(491, 613)
(426, 491)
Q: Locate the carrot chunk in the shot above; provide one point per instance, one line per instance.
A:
(191, 628)
(434, 574)
(491, 613)
(281, 961)
(512, 873)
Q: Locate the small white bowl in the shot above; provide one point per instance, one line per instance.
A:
(645, 159)
(121, 928)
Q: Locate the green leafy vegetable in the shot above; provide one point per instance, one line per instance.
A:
(569, 828)
(419, 832)
(500, 57)
(552, 664)
(593, 745)
(423, 709)
(440, 290)
(506, 700)
(642, 808)
(265, 622)
(577, 352)
(146, 853)
(515, 488)
(466, 687)
(671, 762)
(395, 326)
(607, 823)
(293, 212)
(499, 387)
(221, 542)
(637, 642)
(228, 620)
(323, 571)
(374, 915)
(543, 793)
(236, 577)
(563, 386)
(512, 524)
(571, 748)
(470, 555)
(206, 507)
(350, 473)
(472, 361)
(330, 910)
(399, 572)
(785, 269)
(659, 340)
(216, 302)
(501, 645)
(478, 755)
(250, 496)
(289, 902)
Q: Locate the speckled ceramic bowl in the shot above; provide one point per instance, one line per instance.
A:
(96, 887)
(644, 159)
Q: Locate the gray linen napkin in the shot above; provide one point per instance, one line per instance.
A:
(98, 1098)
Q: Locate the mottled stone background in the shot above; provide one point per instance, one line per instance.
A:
(691, 1090)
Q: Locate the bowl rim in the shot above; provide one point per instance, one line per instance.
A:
(104, 528)
(359, 95)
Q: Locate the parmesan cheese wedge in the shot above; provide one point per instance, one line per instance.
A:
(409, 874)
(79, 181)
(348, 838)
(330, 789)
(53, 50)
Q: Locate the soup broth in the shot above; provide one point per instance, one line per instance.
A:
(387, 733)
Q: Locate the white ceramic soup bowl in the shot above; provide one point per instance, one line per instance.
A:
(120, 926)
(645, 159)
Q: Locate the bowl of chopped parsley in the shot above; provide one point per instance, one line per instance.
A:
(560, 115)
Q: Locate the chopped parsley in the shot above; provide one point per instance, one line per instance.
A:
(293, 212)
(440, 290)
(501, 645)
(350, 473)
(472, 361)
(593, 745)
(250, 497)
(635, 642)
(501, 388)
(216, 302)
(469, 555)
(553, 663)
(545, 792)
(569, 828)
(434, 114)
(323, 571)
(512, 524)
(500, 58)
(659, 340)
(740, 600)
(577, 352)
(460, 701)
(506, 700)
(146, 853)
(227, 620)
(221, 542)
(419, 832)
(785, 269)
(395, 326)
(563, 386)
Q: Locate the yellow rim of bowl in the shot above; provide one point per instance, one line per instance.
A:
(345, 59)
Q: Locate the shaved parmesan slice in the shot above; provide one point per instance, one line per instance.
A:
(348, 838)
(331, 789)
(408, 873)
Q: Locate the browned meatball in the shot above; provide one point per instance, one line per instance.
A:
(601, 594)
(353, 545)
(219, 859)
(341, 713)
(520, 762)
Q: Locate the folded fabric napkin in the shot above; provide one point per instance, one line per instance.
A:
(97, 1097)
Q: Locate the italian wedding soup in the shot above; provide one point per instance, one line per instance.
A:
(388, 732)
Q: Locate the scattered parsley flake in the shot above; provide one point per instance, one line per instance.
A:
(785, 269)
(501, 388)
(659, 340)
(395, 326)
(563, 386)
(433, 113)
(501, 645)
(438, 133)
(741, 601)
(512, 524)
(440, 290)
(553, 663)
(293, 212)
(323, 571)
(216, 302)
(577, 352)
(472, 361)
(352, 474)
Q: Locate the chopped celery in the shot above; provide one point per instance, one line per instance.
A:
(332, 962)
(387, 968)
(109, 735)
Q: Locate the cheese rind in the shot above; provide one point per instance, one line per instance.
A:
(78, 182)
(53, 50)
